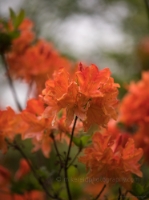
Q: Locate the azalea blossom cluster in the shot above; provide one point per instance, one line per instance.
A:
(70, 99)
(31, 59)
(91, 95)
(113, 159)
(134, 112)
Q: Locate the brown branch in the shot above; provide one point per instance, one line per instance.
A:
(11, 83)
(67, 159)
(147, 7)
(96, 198)
(17, 147)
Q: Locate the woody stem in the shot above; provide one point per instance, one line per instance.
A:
(147, 6)
(67, 160)
(96, 198)
(41, 182)
(11, 83)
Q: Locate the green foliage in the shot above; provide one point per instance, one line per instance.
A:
(27, 183)
(43, 173)
(16, 19)
(141, 191)
(82, 141)
(7, 35)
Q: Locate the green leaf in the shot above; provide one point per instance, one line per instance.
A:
(72, 171)
(82, 141)
(32, 184)
(85, 140)
(18, 187)
(43, 172)
(92, 129)
(28, 183)
(16, 19)
(14, 34)
(12, 14)
(77, 141)
(19, 19)
(137, 189)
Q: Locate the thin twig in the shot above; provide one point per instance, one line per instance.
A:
(147, 7)
(79, 151)
(16, 146)
(120, 194)
(11, 83)
(124, 195)
(67, 159)
(56, 148)
(96, 198)
(29, 91)
(71, 138)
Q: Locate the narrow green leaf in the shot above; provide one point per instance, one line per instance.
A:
(77, 141)
(12, 14)
(85, 140)
(19, 19)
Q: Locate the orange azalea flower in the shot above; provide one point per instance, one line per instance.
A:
(110, 162)
(101, 94)
(143, 53)
(141, 138)
(24, 169)
(134, 108)
(38, 128)
(91, 80)
(32, 116)
(26, 36)
(38, 62)
(63, 130)
(94, 189)
(32, 195)
(115, 132)
(43, 142)
(91, 95)
(10, 125)
(4, 176)
(61, 93)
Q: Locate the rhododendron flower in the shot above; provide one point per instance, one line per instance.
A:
(39, 128)
(143, 53)
(38, 60)
(141, 138)
(5, 183)
(10, 125)
(24, 169)
(4, 176)
(134, 109)
(111, 162)
(91, 95)
(25, 38)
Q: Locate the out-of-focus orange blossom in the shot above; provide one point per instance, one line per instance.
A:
(112, 161)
